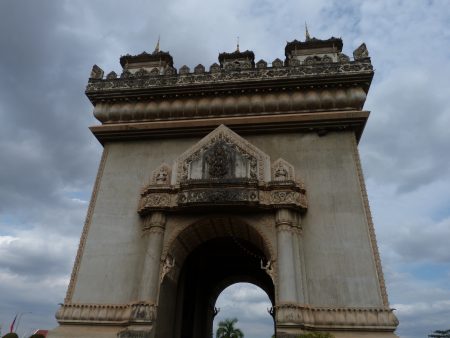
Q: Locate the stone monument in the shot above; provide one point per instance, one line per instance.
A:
(245, 172)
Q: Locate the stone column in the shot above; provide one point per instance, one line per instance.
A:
(154, 226)
(287, 228)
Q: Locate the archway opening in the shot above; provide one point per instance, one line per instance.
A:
(250, 305)
(211, 255)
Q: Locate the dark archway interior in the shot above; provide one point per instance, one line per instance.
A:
(209, 269)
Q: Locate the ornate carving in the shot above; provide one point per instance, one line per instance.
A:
(382, 319)
(156, 201)
(343, 58)
(111, 76)
(170, 71)
(261, 64)
(282, 171)
(219, 160)
(106, 314)
(327, 58)
(96, 72)
(214, 68)
(162, 175)
(258, 162)
(143, 72)
(277, 63)
(154, 72)
(168, 265)
(221, 75)
(218, 196)
(126, 74)
(184, 70)
(87, 225)
(199, 69)
(370, 225)
(294, 62)
(269, 269)
(207, 175)
(361, 52)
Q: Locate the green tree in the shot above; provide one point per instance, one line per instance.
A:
(440, 334)
(11, 335)
(226, 329)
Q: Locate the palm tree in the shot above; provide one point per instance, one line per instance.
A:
(226, 329)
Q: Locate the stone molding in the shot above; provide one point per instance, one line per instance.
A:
(303, 122)
(259, 103)
(86, 227)
(143, 313)
(330, 318)
(370, 225)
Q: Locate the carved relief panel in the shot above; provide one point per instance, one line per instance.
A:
(223, 169)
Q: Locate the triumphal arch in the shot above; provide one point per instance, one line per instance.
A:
(243, 172)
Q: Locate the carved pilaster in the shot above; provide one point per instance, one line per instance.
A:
(286, 222)
(153, 229)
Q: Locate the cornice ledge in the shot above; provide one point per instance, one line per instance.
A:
(142, 313)
(336, 318)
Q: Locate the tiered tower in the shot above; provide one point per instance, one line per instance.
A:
(241, 173)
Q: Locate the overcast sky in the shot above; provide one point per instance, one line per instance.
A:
(48, 157)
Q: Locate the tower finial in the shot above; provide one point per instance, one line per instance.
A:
(237, 46)
(307, 36)
(157, 46)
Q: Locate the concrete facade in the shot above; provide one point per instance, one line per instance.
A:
(261, 183)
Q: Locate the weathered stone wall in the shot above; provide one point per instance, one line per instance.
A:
(339, 265)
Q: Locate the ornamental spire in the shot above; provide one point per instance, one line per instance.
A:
(307, 36)
(157, 46)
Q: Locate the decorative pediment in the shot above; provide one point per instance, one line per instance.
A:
(223, 154)
(223, 170)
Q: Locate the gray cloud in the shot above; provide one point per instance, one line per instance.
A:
(49, 158)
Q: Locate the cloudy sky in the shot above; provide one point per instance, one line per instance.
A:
(48, 158)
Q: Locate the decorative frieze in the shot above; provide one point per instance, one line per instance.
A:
(378, 319)
(216, 76)
(107, 314)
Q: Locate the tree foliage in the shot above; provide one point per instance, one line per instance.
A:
(226, 329)
(440, 334)
(11, 335)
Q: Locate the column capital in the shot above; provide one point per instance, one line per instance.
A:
(287, 220)
(155, 222)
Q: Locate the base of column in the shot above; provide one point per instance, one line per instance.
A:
(81, 331)
(340, 334)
